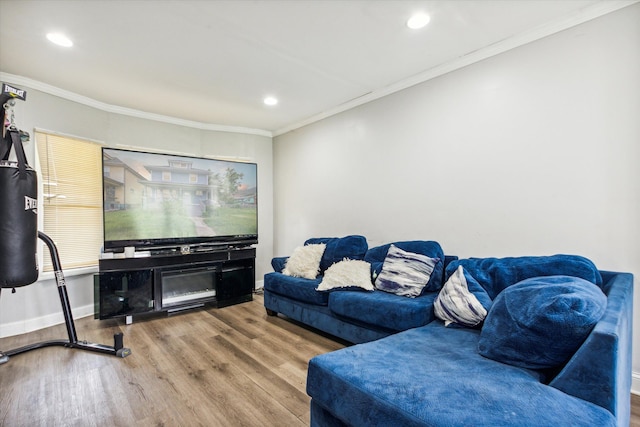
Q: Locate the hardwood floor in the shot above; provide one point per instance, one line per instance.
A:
(233, 366)
(635, 411)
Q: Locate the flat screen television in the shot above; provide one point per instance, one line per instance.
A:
(153, 200)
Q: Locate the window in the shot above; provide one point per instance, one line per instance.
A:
(70, 172)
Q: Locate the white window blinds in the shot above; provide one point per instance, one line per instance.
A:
(72, 198)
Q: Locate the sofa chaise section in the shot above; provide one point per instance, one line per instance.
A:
(434, 376)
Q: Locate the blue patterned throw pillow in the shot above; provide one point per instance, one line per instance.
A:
(462, 301)
(405, 273)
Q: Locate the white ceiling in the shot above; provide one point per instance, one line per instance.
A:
(212, 62)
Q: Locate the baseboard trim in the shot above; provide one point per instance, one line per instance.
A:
(30, 325)
(635, 383)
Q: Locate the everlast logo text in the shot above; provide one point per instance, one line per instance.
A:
(14, 92)
(30, 204)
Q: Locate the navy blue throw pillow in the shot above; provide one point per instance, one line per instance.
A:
(339, 248)
(541, 322)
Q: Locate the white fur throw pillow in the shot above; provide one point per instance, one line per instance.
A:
(348, 273)
(305, 261)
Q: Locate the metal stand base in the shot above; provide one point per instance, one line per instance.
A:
(118, 348)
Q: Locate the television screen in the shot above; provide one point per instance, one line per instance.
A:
(155, 200)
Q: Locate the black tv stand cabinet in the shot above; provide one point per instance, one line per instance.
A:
(171, 282)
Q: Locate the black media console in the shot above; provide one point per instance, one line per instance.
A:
(171, 281)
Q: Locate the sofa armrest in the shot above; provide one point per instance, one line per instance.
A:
(600, 371)
(278, 263)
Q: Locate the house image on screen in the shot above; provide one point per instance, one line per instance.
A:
(180, 182)
(124, 183)
(128, 184)
(246, 197)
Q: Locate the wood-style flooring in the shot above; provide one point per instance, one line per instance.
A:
(635, 411)
(233, 366)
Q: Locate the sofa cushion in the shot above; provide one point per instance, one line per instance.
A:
(496, 274)
(322, 318)
(376, 257)
(434, 376)
(462, 301)
(540, 322)
(305, 261)
(350, 274)
(405, 273)
(339, 248)
(382, 309)
(296, 288)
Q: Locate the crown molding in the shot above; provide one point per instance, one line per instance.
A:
(587, 14)
(109, 108)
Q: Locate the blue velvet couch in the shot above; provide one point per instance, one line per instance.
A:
(356, 317)
(435, 376)
(411, 370)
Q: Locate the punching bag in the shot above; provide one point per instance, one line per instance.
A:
(18, 215)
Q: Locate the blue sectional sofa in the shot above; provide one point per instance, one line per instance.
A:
(356, 316)
(553, 349)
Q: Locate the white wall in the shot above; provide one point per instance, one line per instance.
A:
(37, 305)
(532, 152)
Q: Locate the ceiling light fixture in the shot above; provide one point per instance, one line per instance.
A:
(418, 20)
(59, 39)
(270, 101)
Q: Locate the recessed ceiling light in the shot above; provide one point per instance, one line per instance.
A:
(59, 39)
(270, 100)
(418, 20)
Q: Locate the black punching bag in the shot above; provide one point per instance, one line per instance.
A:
(18, 215)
